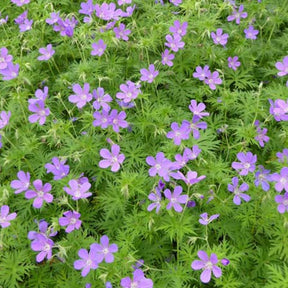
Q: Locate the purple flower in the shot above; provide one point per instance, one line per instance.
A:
(167, 58)
(282, 157)
(149, 75)
(47, 52)
(20, 3)
(41, 194)
(251, 33)
(44, 230)
(122, 2)
(283, 202)
(3, 20)
(113, 158)
(281, 66)
(138, 264)
(22, 184)
(212, 79)
(98, 48)
(118, 120)
(195, 125)
(219, 38)
(78, 190)
(179, 28)
(197, 109)
(160, 166)
(82, 96)
(10, 72)
(261, 137)
(4, 118)
(207, 264)
(121, 33)
(87, 9)
(26, 25)
(130, 91)
(191, 204)
(238, 191)
(192, 154)
(40, 95)
(281, 179)
(5, 217)
(175, 199)
(44, 245)
(40, 112)
(107, 11)
(5, 58)
(233, 62)
(262, 177)
(102, 118)
(179, 133)
(108, 285)
(247, 163)
(21, 18)
(190, 179)
(156, 198)
(88, 260)
(138, 280)
(65, 27)
(225, 261)
(71, 220)
(277, 109)
(54, 18)
(101, 99)
(174, 42)
(205, 220)
(58, 168)
(200, 73)
(104, 250)
(237, 15)
(175, 2)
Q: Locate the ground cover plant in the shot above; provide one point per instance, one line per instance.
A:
(143, 143)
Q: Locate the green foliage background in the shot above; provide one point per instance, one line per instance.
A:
(253, 236)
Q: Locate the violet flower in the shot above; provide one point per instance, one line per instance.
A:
(197, 109)
(101, 99)
(233, 62)
(4, 118)
(283, 202)
(195, 125)
(149, 75)
(88, 260)
(213, 79)
(179, 133)
(138, 280)
(238, 191)
(219, 38)
(247, 163)
(121, 32)
(156, 198)
(237, 15)
(113, 158)
(40, 112)
(130, 91)
(175, 199)
(20, 3)
(176, 2)
(40, 193)
(5, 58)
(207, 264)
(3, 20)
(205, 220)
(10, 72)
(22, 184)
(192, 154)
(282, 67)
(102, 118)
(174, 42)
(44, 245)
(279, 109)
(281, 179)
(54, 18)
(81, 96)
(123, 2)
(47, 52)
(282, 157)
(167, 58)
(71, 220)
(104, 250)
(178, 28)
(250, 33)
(262, 177)
(58, 169)
(200, 73)
(78, 190)
(138, 264)
(98, 48)
(261, 136)
(118, 120)
(160, 165)
(5, 217)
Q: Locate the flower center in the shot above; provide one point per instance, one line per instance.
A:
(40, 193)
(246, 165)
(46, 247)
(134, 285)
(285, 202)
(105, 251)
(158, 166)
(283, 180)
(83, 97)
(173, 200)
(208, 265)
(73, 221)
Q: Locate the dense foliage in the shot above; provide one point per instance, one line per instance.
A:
(111, 167)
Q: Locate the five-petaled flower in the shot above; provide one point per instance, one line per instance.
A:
(98, 48)
(5, 217)
(175, 199)
(205, 220)
(233, 62)
(238, 195)
(237, 15)
(71, 220)
(81, 96)
(207, 264)
(247, 163)
(250, 33)
(281, 179)
(113, 158)
(283, 202)
(47, 52)
(138, 281)
(78, 190)
(22, 184)
(148, 75)
(219, 37)
(104, 250)
(58, 169)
